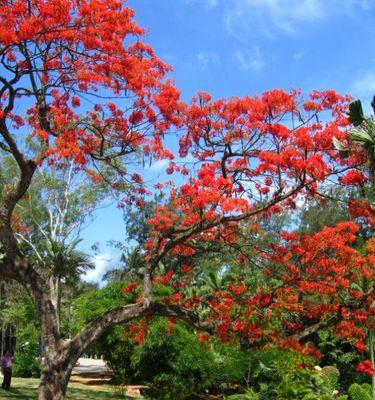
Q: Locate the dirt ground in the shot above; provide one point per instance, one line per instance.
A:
(94, 373)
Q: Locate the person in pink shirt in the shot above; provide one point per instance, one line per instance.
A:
(6, 363)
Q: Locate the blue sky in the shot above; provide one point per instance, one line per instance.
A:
(237, 47)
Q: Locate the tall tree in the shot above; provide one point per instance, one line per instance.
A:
(59, 203)
(78, 82)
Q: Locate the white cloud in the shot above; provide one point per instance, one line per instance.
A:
(101, 262)
(250, 59)
(158, 165)
(282, 14)
(208, 58)
(265, 16)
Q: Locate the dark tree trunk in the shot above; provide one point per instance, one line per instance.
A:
(62, 356)
(59, 362)
(53, 382)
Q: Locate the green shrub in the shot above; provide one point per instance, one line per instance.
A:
(342, 355)
(358, 392)
(367, 387)
(275, 374)
(233, 366)
(249, 395)
(174, 365)
(117, 349)
(25, 365)
(330, 376)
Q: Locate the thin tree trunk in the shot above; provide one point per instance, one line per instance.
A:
(3, 334)
(53, 285)
(58, 304)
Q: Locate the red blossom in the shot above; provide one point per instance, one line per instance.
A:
(366, 367)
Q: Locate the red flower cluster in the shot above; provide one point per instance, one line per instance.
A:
(366, 367)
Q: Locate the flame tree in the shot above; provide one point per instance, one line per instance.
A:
(78, 83)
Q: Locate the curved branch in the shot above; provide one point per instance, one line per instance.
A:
(203, 226)
(120, 315)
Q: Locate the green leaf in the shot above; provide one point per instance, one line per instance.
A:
(344, 151)
(338, 145)
(355, 113)
(361, 136)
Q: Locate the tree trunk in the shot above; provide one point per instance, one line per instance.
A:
(56, 373)
(58, 304)
(60, 355)
(54, 286)
(53, 382)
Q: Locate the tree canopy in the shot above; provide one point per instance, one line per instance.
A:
(79, 85)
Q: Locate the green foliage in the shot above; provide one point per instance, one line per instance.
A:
(25, 365)
(276, 374)
(114, 346)
(343, 150)
(117, 350)
(232, 364)
(19, 312)
(367, 387)
(330, 376)
(248, 395)
(355, 114)
(92, 304)
(313, 217)
(359, 392)
(174, 365)
(342, 355)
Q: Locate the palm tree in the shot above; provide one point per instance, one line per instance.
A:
(133, 266)
(64, 264)
(362, 137)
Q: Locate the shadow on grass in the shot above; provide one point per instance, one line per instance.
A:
(83, 394)
(27, 389)
(15, 393)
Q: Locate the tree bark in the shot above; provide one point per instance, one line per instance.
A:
(55, 294)
(54, 380)
(62, 356)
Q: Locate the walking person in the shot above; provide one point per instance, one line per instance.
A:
(6, 363)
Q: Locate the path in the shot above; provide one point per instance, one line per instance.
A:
(92, 367)
(92, 372)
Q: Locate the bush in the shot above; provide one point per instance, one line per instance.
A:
(330, 376)
(117, 350)
(249, 395)
(25, 365)
(233, 366)
(174, 365)
(343, 356)
(358, 392)
(275, 374)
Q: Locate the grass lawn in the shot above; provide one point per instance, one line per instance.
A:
(27, 388)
